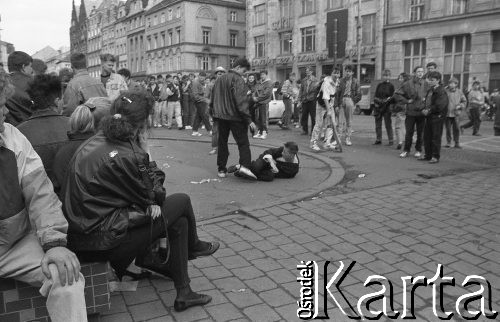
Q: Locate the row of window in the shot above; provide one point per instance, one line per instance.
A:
(162, 18)
(164, 65)
(308, 44)
(164, 39)
(416, 9)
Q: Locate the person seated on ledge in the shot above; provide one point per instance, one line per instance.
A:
(282, 162)
(83, 123)
(32, 225)
(116, 207)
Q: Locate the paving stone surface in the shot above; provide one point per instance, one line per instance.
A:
(395, 231)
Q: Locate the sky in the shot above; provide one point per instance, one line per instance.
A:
(30, 25)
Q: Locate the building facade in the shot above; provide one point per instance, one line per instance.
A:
(461, 36)
(121, 28)
(287, 36)
(190, 36)
(6, 49)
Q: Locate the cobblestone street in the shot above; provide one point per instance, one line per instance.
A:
(394, 231)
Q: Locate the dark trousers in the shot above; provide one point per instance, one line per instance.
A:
(474, 120)
(262, 120)
(412, 122)
(200, 116)
(252, 110)
(386, 117)
(296, 113)
(308, 109)
(215, 134)
(433, 131)
(187, 111)
(240, 134)
(452, 127)
(287, 114)
(178, 212)
(262, 170)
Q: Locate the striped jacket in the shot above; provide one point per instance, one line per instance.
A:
(26, 195)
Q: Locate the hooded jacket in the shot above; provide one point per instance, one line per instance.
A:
(103, 186)
(229, 99)
(26, 195)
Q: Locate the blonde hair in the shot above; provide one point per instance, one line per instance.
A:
(6, 87)
(82, 120)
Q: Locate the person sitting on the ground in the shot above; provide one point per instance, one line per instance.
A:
(282, 162)
(83, 124)
(46, 129)
(116, 207)
(34, 253)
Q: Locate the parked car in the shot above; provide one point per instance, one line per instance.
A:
(276, 108)
(364, 104)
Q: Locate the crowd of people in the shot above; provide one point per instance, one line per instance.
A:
(75, 160)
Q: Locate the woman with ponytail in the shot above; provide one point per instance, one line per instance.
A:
(116, 207)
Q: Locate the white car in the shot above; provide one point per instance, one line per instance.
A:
(276, 108)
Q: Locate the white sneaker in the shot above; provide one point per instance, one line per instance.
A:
(196, 134)
(297, 126)
(257, 136)
(210, 133)
(188, 127)
(348, 142)
(203, 127)
(263, 136)
(418, 154)
(403, 154)
(221, 174)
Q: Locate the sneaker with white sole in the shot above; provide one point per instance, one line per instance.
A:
(403, 154)
(188, 127)
(315, 147)
(257, 136)
(196, 134)
(221, 174)
(348, 142)
(264, 135)
(418, 154)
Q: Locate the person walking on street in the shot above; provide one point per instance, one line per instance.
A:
(456, 104)
(412, 93)
(200, 99)
(435, 111)
(325, 105)
(399, 113)
(114, 83)
(229, 107)
(262, 96)
(348, 95)
(288, 97)
(307, 97)
(476, 102)
(384, 95)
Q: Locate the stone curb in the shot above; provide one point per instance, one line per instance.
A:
(333, 179)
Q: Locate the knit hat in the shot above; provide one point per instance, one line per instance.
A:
(453, 80)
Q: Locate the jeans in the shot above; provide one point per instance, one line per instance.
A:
(308, 110)
(452, 126)
(345, 117)
(188, 110)
(201, 115)
(287, 114)
(215, 134)
(240, 134)
(386, 117)
(399, 127)
(262, 170)
(263, 117)
(410, 123)
(22, 263)
(433, 132)
(178, 212)
(174, 109)
(474, 120)
(318, 124)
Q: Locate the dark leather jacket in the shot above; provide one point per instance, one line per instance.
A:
(229, 99)
(437, 102)
(103, 186)
(19, 105)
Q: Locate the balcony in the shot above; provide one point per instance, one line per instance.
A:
(285, 23)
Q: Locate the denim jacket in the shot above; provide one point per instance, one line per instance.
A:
(26, 195)
(80, 89)
(115, 85)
